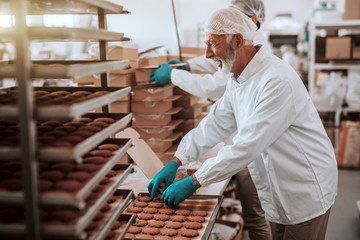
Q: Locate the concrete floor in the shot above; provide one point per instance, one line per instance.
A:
(343, 223)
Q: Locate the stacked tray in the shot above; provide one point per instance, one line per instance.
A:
(62, 222)
(62, 103)
(96, 166)
(67, 152)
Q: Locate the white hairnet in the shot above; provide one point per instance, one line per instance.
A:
(230, 21)
(251, 8)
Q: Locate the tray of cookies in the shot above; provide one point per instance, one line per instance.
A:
(96, 165)
(98, 228)
(62, 103)
(63, 141)
(64, 222)
(194, 218)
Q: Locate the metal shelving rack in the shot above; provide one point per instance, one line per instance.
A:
(23, 71)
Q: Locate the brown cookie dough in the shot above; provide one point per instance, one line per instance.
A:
(156, 224)
(145, 216)
(178, 218)
(174, 225)
(183, 212)
(135, 209)
(140, 204)
(168, 232)
(198, 219)
(140, 223)
(161, 217)
(134, 230)
(150, 210)
(189, 233)
(150, 230)
(193, 225)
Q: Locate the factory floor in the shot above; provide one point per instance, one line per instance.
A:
(343, 223)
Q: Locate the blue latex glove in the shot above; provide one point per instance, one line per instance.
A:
(166, 175)
(179, 191)
(174, 61)
(162, 74)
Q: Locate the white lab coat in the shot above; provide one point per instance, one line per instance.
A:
(280, 138)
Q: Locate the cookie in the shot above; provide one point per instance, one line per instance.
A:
(144, 199)
(56, 133)
(68, 185)
(199, 213)
(150, 231)
(105, 208)
(105, 119)
(155, 205)
(178, 218)
(98, 124)
(92, 129)
(110, 235)
(173, 225)
(140, 204)
(84, 120)
(161, 217)
(91, 226)
(162, 236)
(105, 181)
(134, 209)
(63, 167)
(144, 236)
(156, 224)
(129, 235)
(189, 233)
(82, 133)
(181, 238)
(112, 199)
(102, 153)
(67, 129)
(100, 93)
(44, 185)
(100, 189)
(134, 230)
(111, 174)
(74, 124)
(65, 216)
(78, 176)
(167, 211)
(183, 212)
(140, 223)
(53, 175)
(145, 216)
(95, 160)
(198, 219)
(53, 124)
(88, 167)
(11, 184)
(150, 210)
(193, 225)
(72, 139)
(108, 146)
(168, 232)
(98, 217)
(116, 225)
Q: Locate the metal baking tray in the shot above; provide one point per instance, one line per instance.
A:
(117, 210)
(65, 7)
(205, 233)
(74, 154)
(127, 220)
(77, 199)
(40, 33)
(65, 69)
(65, 112)
(76, 230)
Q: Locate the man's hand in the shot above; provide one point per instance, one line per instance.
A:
(174, 61)
(162, 74)
(166, 175)
(179, 191)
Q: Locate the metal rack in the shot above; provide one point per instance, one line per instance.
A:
(23, 71)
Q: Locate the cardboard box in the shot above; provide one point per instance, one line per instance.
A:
(186, 101)
(338, 48)
(351, 9)
(146, 120)
(152, 92)
(150, 107)
(88, 80)
(122, 52)
(188, 113)
(121, 106)
(197, 51)
(158, 146)
(145, 62)
(120, 79)
(142, 75)
(159, 133)
(356, 52)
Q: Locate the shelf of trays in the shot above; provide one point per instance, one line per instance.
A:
(68, 223)
(37, 7)
(64, 141)
(97, 163)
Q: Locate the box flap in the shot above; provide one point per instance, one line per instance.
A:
(172, 98)
(173, 137)
(142, 154)
(172, 150)
(173, 111)
(174, 124)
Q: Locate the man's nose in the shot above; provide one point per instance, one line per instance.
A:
(209, 52)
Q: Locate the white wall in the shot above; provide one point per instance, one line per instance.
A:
(151, 21)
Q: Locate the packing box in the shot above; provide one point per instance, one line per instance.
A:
(192, 112)
(122, 78)
(159, 133)
(122, 52)
(142, 75)
(145, 62)
(122, 106)
(152, 92)
(351, 9)
(144, 120)
(186, 101)
(338, 48)
(150, 107)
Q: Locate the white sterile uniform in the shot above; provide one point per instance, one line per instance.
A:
(280, 138)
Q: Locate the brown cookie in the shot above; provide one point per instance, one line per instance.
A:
(174, 225)
(155, 205)
(100, 189)
(74, 124)
(111, 174)
(134, 230)
(11, 184)
(183, 212)
(98, 124)
(199, 213)
(135, 209)
(144, 199)
(88, 167)
(110, 235)
(82, 133)
(198, 219)
(44, 185)
(105, 208)
(102, 153)
(105, 119)
(116, 225)
(168, 232)
(84, 120)
(109, 146)
(178, 218)
(181, 238)
(67, 129)
(156, 224)
(161, 217)
(56, 133)
(53, 124)
(150, 231)
(163, 236)
(140, 204)
(112, 199)
(150, 210)
(130, 235)
(193, 225)
(91, 226)
(68, 185)
(145, 216)
(140, 223)
(92, 129)
(63, 167)
(167, 211)
(72, 139)
(95, 160)
(53, 176)
(65, 216)
(189, 233)
(144, 236)
(98, 217)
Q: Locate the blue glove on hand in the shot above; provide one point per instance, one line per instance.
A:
(162, 74)
(173, 61)
(166, 175)
(178, 192)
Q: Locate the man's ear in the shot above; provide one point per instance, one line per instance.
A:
(239, 40)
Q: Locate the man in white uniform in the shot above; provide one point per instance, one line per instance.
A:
(280, 136)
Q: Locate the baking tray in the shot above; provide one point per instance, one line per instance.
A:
(127, 220)
(65, 69)
(117, 210)
(65, 7)
(76, 200)
(205, 233)
(76, 230)
(74, 154)
(66, 112)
